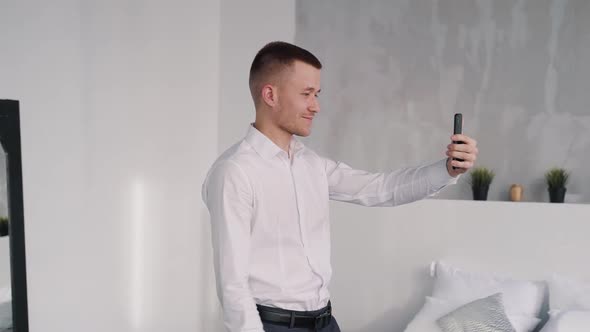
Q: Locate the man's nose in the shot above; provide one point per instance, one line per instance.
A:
(315, 106)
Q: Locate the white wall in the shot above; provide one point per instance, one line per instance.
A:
(119, 104)
(4, 262)
(246, 26)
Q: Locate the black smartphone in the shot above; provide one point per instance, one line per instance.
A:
(458, 129)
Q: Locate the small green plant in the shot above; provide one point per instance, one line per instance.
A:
(556, 178)
(481, 177)
(3, 226)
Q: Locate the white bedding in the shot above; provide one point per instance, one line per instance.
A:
(568, 321)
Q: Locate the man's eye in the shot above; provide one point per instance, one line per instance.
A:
(305, 94)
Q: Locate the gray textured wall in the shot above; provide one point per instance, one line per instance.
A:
(396, 71)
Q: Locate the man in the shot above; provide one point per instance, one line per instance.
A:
(268, 199)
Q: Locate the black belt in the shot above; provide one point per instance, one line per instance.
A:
(297, 319)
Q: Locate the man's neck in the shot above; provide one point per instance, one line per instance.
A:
(277, 136)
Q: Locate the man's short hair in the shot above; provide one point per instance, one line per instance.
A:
(273, 58)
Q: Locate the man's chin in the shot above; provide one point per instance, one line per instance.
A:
(303, 133)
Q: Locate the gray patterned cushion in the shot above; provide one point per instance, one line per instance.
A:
(482, 315)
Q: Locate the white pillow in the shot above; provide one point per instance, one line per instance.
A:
(433, 309)
(483, 315)
(568, 294)
(459, 287)
(568, 321)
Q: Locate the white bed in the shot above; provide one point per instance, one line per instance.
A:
(381, 256)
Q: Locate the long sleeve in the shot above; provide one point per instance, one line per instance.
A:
(228, 196)
(386, 189)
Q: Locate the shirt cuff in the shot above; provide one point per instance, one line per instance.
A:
(439, 176)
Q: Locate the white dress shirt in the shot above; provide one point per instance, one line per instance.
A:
(271, 225)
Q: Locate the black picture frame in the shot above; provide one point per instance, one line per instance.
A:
(11, 142)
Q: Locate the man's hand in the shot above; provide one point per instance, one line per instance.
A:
(468, 152)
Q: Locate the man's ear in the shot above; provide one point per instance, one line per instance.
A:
(269, 95)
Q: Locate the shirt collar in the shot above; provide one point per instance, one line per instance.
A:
(267, 148)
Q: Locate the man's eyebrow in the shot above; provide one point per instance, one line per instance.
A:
(312, 89)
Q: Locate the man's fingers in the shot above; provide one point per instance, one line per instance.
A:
(464, 138)
(463, 148)
(462, 164)
(467, 152)
(461, 155)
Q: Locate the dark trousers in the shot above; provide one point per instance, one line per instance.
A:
(270, 327)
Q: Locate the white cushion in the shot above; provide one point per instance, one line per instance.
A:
(568, 294)
(568, 321)
(433, 309)
(459, 287)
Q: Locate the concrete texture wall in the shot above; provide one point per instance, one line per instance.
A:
(396, 71)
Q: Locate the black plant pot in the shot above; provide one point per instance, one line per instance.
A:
(557, 195)
(480, 193)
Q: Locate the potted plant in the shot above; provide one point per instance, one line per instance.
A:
(3, 226)
(480, 180)
(556, 179)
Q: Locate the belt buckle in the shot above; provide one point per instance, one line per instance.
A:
(323, 320)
